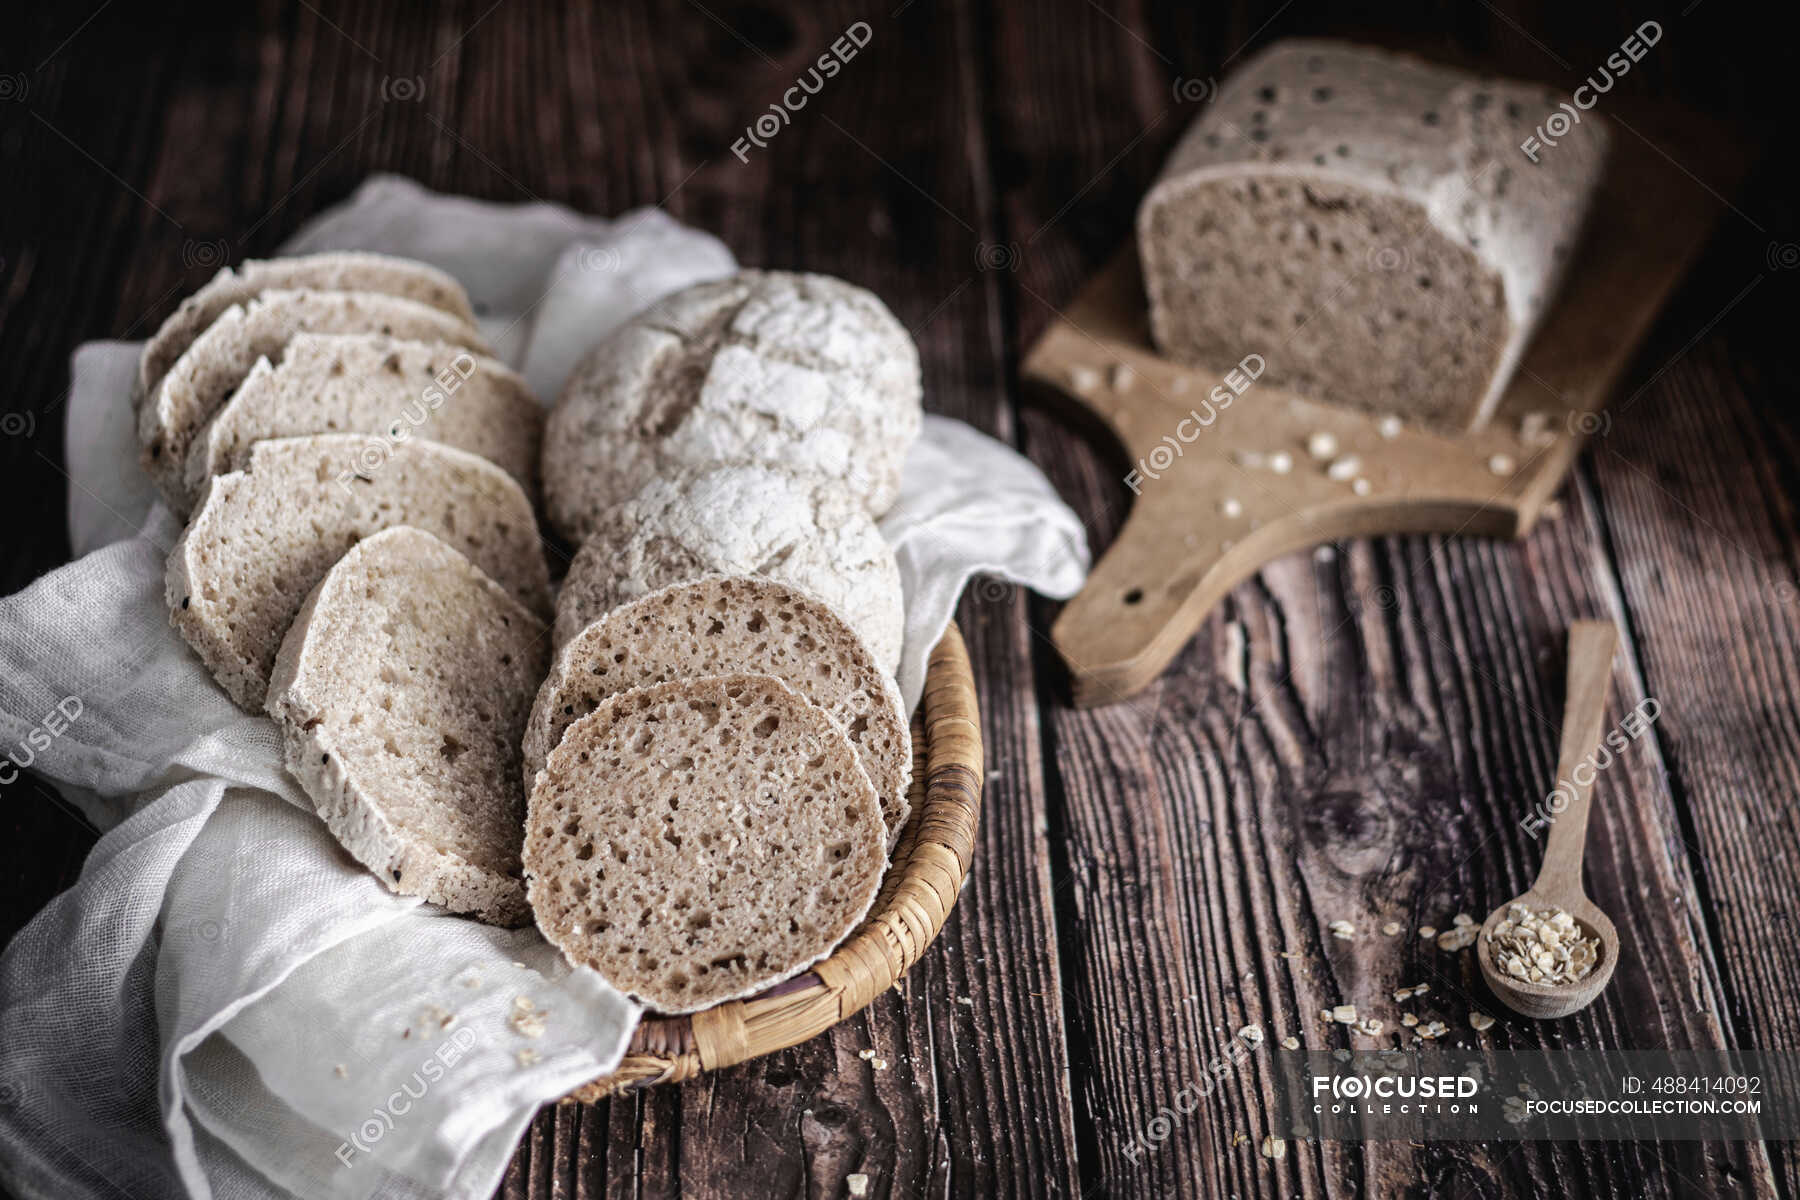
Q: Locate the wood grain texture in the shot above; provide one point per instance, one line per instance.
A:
(1354, 738)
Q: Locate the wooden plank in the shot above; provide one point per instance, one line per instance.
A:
(1354, 738)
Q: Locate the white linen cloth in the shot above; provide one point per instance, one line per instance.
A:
(225, 1004)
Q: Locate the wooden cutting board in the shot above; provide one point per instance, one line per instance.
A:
(1206, 515)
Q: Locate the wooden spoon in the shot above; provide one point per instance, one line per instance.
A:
(1558, 883)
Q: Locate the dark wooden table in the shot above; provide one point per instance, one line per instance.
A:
(1354, 734)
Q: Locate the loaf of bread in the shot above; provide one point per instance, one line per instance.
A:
(697, 841)
(340, 272)
(401, 691)
(733, 626)
(264, 536)
(388, 388)
(1368, 223)
(740, 520)
(802, 372)
(203, 378)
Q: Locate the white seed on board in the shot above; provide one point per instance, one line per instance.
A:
(1501, 464)
(1229, 507)
(1281, 462)
(1322, 445)
(1389, 427)
(1344, 468)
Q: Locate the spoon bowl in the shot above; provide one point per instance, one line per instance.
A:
(1541, 1000)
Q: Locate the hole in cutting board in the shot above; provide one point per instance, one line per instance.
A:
(1134, 596)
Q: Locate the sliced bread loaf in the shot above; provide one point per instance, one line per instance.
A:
(348, 271)
(803, 372)
(1368, 223)
(264, 536)
(389, 388)
(700, 840)
(204, 377)
(740, 520)
(731, 626)
(401, 692)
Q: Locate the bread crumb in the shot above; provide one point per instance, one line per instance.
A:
(1251, 1035)
(1273, 1147)
(857, 1183)
(1290, 1043)
(528, 1057)
(1480, 1021)
(527, 1018)
(340, 1072)
(1389, 427)
(1322, 445)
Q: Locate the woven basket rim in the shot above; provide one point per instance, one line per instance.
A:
(916, 897)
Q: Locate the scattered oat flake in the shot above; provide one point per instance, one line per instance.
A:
(1427, 931)
(865, 1055)
(1361, 486)
(1281, 462)
(340, 1072)
(1325, 553)
(1344, 1014)
(1391, 928)
(1239, 1137)
(1342, 930)
(1344, 469)
(1229, 507)
(1501, 464)
(968, 1001)
(1084, 379)
(1322, 445)
(857, 1183)
(1462, 919)
(1389, 427)
(528, 1057)
(1371, 1027)
(1479, 1021)
(1274, 1147)
(1290, 1043)
(1460, 938)
(880, 1064)
(1408, 1019)
(1251, 1035)
(527, 1018)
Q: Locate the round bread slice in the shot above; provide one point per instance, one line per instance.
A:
(264, 536)
(731, 626)
(349, 271)
(741, 520)
(700, 840)
(389, 388)
(803, 372)
(203, 378)
(401, 692)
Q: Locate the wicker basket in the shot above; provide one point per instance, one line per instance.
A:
(926, 876)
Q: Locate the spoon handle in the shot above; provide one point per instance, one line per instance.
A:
(1591, 645)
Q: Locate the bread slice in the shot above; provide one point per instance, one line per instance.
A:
(700, 840)
(401, 692)
(804, 372)
(1370, 225)
(389, 388)
(731, 626)
(264, 536)
(204, 377)
(742, 520)
(348, 271)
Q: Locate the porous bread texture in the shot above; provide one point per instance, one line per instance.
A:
(401, 692)
(1368, 224)
(740, 520)
(730, 626)
(343, 271)
(204, 377)
(802, 372)
(391, 389)
(700, 840)
(264, 536)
